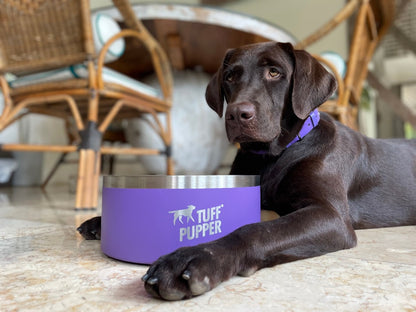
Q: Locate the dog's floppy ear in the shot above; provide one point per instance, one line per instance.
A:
(214, 94)
(312, 83)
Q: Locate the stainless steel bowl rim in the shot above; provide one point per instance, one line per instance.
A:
(181, 181)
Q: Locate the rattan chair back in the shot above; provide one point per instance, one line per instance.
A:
(39, 34)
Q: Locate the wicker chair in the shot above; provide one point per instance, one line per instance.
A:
(40, 35)
(373, 19)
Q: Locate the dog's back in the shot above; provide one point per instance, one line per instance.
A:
(380, 175)
(386, 196)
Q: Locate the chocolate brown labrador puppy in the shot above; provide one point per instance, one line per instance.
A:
(322, 178)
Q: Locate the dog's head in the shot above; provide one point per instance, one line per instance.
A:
(270, 89)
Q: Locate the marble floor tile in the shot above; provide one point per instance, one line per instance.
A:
(46, 266)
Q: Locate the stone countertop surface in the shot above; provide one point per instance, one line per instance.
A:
(46, 266)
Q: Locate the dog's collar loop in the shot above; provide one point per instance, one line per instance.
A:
(310, 123)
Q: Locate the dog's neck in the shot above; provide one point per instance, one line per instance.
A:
(310, 123)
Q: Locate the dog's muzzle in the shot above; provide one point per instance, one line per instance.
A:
(240, 121)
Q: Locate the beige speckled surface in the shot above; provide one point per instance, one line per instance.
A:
(46, 266)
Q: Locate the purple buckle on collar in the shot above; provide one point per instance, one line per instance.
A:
(310, 123)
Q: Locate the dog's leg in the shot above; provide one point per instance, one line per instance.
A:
(308, 232)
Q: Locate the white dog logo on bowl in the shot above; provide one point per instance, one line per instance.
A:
(183, 213)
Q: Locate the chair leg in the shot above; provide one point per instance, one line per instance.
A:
(169, 162)
(88, 179)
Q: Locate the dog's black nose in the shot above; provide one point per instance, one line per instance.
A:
(241, 112)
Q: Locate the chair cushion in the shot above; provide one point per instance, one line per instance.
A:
(80, 71)
(104, 27)
(112, 76)
(46, 76)
(336, 60)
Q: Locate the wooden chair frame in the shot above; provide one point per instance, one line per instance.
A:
(374, 17)
(90, 118)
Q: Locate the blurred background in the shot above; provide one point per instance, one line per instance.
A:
(386, 105)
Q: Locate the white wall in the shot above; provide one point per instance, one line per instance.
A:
(34, 129)
(300, 18)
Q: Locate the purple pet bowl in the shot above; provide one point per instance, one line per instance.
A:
(146, 217)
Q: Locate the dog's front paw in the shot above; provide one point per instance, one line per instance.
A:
(91, 229)
(187, 272)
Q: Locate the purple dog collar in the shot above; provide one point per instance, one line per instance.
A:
(310, 123)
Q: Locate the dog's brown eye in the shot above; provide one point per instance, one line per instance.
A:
(229, 78)
(273, 72)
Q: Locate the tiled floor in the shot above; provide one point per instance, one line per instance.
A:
(46, 266)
